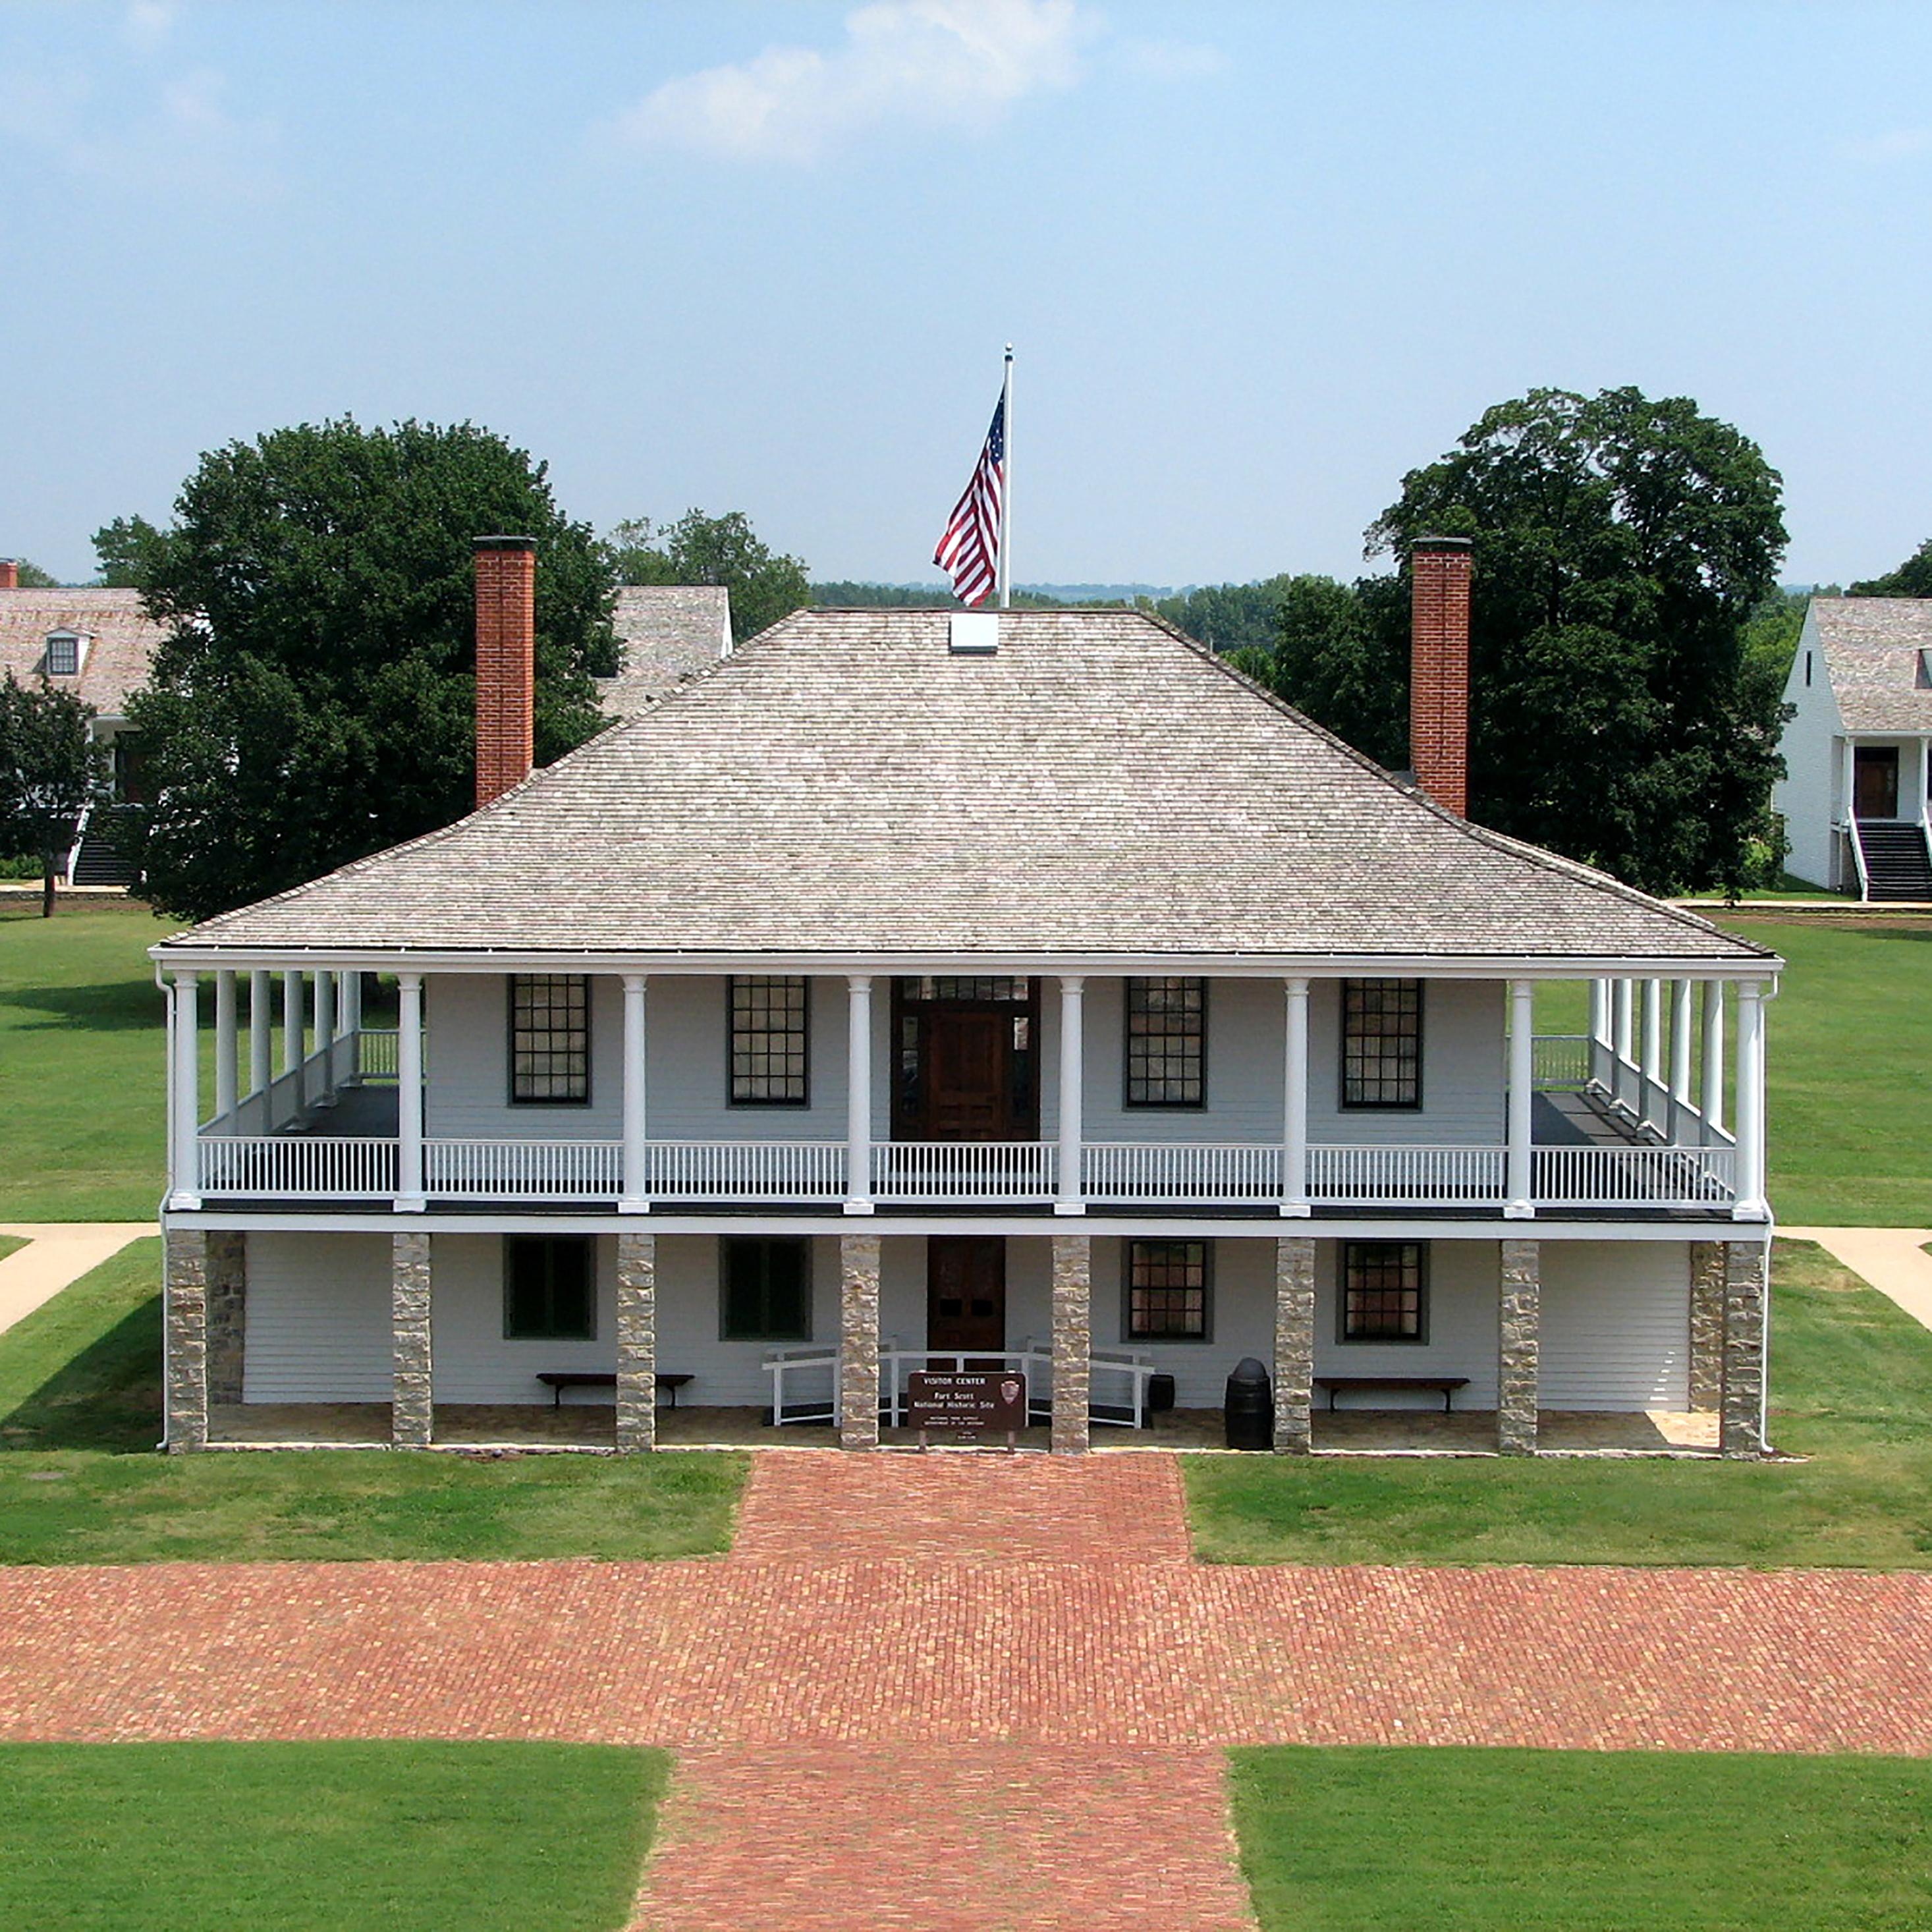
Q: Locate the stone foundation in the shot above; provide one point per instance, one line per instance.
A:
(185, 1299)
(1518, 1342)
(859, 1341)
(227, 1314)
(1072, 1341)
(1294, 1344)
(412, 1401)
(1707, 1326)
(1741, 1431)
(636, 1342)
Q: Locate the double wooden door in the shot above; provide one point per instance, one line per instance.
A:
(966, 1292)
(1875, 782)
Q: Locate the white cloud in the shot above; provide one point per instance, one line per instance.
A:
(1900, 144)
(1173, 60)
(951, 63)
(147, 23)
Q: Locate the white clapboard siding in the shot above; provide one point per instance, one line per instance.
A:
(319, 1326)
(1462, 1292)
(1616, 1325)
(473, 1360)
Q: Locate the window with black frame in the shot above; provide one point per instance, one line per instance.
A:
(549, 1038)
(1167, 1042)
(765, 1289)
(1384, 1291)
(1167, 1292)
(770, 1047)
(1382, 1043)
(548, 1288)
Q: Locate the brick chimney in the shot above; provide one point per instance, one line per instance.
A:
(506, 666)
(10, 574)
(1438, 669)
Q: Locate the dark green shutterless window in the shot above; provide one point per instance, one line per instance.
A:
(549, 1288)
(766, 1289)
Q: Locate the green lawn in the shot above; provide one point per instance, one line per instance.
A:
(324, 1838)
(10, 1244)
(1851, 1389)
(80, 1414)
(1347, 1840)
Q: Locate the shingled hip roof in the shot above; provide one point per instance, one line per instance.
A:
(1872, 647)
(844, 785)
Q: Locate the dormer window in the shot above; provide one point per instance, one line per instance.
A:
(63, 653)
(1924, 679)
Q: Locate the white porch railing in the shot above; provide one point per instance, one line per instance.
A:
(313, 1168)
(1561, 1063)
(1414, 1176)
(490, 1170)
(813, 1171)
(1145, 1171)
(963, 1170)
(377, 1052)
(1632, 1177)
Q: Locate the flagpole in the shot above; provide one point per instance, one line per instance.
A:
(1006, 492)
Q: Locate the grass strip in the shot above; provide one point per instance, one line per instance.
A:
(324, 1838)
(1851, 1389)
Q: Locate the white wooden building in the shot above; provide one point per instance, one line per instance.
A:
(909, 987)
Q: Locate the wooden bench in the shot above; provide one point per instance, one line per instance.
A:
(557, 1380)
(1445, 1386)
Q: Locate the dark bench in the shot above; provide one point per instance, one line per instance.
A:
(557, 1380)
(1445, 1386)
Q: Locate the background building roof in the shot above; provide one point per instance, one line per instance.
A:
(667, 633)
(1871, 646)
(123, 641)
(845, 784)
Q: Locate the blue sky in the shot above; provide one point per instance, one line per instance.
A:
(1257, 260)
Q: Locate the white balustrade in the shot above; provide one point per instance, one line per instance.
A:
(774, 1171)
(1634, 1177)
(1564, 1062)
(494, 1170)
(375, 1049)
(963, 1170)
(1410, 1176)
(308, 1167)
(1143, 1171)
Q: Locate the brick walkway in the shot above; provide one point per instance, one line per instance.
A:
(872, 1703)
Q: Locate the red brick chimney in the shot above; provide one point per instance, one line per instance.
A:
(506, 663)
(1438, 669)
(10, 574)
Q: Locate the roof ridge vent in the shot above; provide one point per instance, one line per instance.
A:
(973, 634)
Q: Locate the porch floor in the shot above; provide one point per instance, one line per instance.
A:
(593, 1426)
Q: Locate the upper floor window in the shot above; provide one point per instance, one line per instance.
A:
(549, 1038)
(770, 1046)
(1382, 1043)
(1167, 1292)
(1384, 1291)
(1167, 1042)
(63, 653)
(548, 1288)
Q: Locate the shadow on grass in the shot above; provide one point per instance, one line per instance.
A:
(115, 1006)
(107, 1398)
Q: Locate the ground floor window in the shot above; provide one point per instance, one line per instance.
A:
(548, 1281)
(1384, 1291)
(1167, 1292)
(766, 1288)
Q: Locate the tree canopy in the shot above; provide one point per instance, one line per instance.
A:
(51, 771)
(126, 550)
(1913, 578)
(32, 577)
(698, 549)
(313, 700)
(1621, 547)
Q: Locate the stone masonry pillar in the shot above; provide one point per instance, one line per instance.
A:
(1072, 1341)
(1517, 1342)
(186, 1300)
(1741, 1424)
(1294, 1344)
(412, 1401)
(859, 1341)
(1707, 1326)
(637, 1342)
(227, 1314)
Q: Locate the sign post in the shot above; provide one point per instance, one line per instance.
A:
(968, 1406)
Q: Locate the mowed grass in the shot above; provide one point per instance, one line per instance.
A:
(1851, 1390)
(80, 1408)
(324, 1838)
(1458, 1840)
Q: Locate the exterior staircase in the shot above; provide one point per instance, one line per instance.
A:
(1897, 865)
(99, 860)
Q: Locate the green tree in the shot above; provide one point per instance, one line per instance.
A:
(313, 700)
(698, 549)
(1228, 616)
(1621, 546)
(32, 577)
(1913, 578)
(51, 771)
(128, 550)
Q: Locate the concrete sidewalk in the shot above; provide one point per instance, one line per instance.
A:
(57, 1253)
(1894, 1261)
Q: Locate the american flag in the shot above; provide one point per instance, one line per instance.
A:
(969, 552)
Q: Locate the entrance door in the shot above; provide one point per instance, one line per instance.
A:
(966, 1292)
(966, 1069)
(966, 1096)
(1875, 782)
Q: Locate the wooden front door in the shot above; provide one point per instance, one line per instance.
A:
(966, 1069)
(967, 1081)
(966, 1291)
(1875, 782)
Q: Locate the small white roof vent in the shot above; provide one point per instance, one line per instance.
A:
(975, 634)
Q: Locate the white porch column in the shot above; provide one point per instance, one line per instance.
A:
(1071, 1198)
(1751, 1204)
(859, 1094)
(1680, 1056)
(261, 1027)
(1294, 1102)
(636, 1198)
(1714, 1060)
(293, 1040)
(1653, 1049)
(325, 1032)
(351, 1002)
(226, 1069)
(408, 1094)
(1518, 1205)
(184, 1070)
(1623, 1046)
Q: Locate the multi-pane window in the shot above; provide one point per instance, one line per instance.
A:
(1382, 1043)
(63, 654)
(548, 1288)
(1384, 1291)
(1167, 1291)
(550, 1037)
(1167, 1042)
(767, 1289)
(769, 1052)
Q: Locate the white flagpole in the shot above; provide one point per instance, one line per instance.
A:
(1006, 491)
